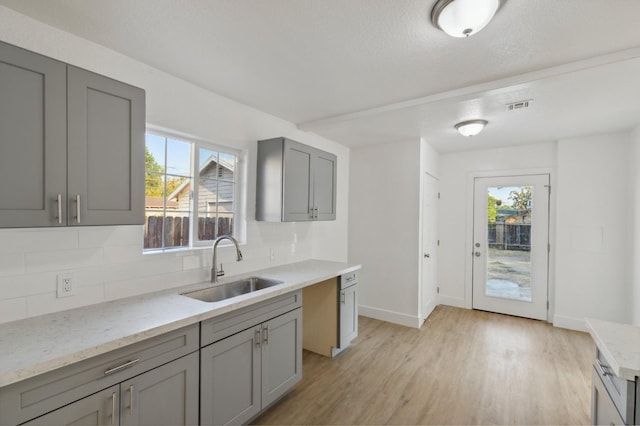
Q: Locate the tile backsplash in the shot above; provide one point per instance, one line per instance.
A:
(107, 263)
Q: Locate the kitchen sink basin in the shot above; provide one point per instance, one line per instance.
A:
(232, 289)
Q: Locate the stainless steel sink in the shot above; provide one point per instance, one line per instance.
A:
(232, 289)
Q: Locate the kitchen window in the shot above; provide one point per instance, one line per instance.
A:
(191, 192)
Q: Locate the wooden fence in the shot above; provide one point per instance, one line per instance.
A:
(510, 236)
(176, 230)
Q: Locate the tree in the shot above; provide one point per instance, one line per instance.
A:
(492, 208)
(154, 186)
(521, 199)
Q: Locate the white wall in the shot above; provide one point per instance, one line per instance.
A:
(385, 229)
(455, 216)
(593, 217)
(108, 261)
(384, 208)
(634, 243)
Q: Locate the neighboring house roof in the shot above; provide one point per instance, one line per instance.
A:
(208, 165)
(151, 202)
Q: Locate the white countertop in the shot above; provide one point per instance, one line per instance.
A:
(40, 344)
(620, 345)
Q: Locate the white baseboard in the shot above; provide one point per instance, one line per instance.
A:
(571, 323)
(457, 302)
(390, 316)
(431, 305)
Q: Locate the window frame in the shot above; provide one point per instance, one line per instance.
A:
(239, 189)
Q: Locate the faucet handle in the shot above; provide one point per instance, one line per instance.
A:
(239, 255)
(220, 272)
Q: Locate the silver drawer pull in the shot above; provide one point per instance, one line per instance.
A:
(122, 367)
(59, 201)
(78, 208)
(113, 408)
(258, 337)
(603, 369)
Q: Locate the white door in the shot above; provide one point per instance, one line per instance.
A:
(429, 246)
(511, 245)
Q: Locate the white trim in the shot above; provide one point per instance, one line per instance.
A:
(390, 316)
(457, 302)
(570, 323)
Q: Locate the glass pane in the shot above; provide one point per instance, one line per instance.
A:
(153, 229)
(207, 156)
(509, 242)
(227, 167)
(178, 157)
(176, 229)
(210, 227)
(154, 146)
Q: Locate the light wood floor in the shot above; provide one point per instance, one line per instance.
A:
(462, 367)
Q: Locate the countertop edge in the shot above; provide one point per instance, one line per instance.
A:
(604, 345)
(10, 377)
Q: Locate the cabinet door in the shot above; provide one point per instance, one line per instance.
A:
(603, 410)
(33, 138)
(281, 355)
(324, 185)
(230, 379)
(98, 409)
(297, 182)
(106, 123)
(167, 395)
(348, 315)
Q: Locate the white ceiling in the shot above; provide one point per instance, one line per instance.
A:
(374, 71)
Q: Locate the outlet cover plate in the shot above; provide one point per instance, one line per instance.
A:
(66, 285)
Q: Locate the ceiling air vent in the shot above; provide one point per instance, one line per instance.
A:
(519, 105)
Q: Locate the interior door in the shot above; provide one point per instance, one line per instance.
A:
(429, 245)
(511, 240)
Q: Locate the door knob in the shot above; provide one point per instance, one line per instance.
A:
(477, 254)
(426, 255)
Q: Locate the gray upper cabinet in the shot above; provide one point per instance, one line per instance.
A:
(71, 143)
(295, 182)
(33, 137)
(106, 150)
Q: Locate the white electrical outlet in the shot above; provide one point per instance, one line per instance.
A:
(66, 285)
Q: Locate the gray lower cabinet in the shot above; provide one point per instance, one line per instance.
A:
(614, 400)
(347, 311)
(167, 395)
(71, 144)
(95, 410)
(295, 182)
(153, 382)
(243, 373)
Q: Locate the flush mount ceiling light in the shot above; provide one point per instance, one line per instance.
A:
(471, 127)
(462, 18)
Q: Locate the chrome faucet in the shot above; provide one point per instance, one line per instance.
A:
(214, 271)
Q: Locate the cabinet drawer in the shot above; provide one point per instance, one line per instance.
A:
(34, 397)
(233, 322)
(603, 410)
(621, 391)
(348, 279)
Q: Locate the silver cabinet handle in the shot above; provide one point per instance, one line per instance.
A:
(604, 370)
(258, 337)
(265, 332)
(78, 208)
(113, 408)
(131, 400)
(343, 297)
(59, 201)
(122, 367)
(316, 212)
